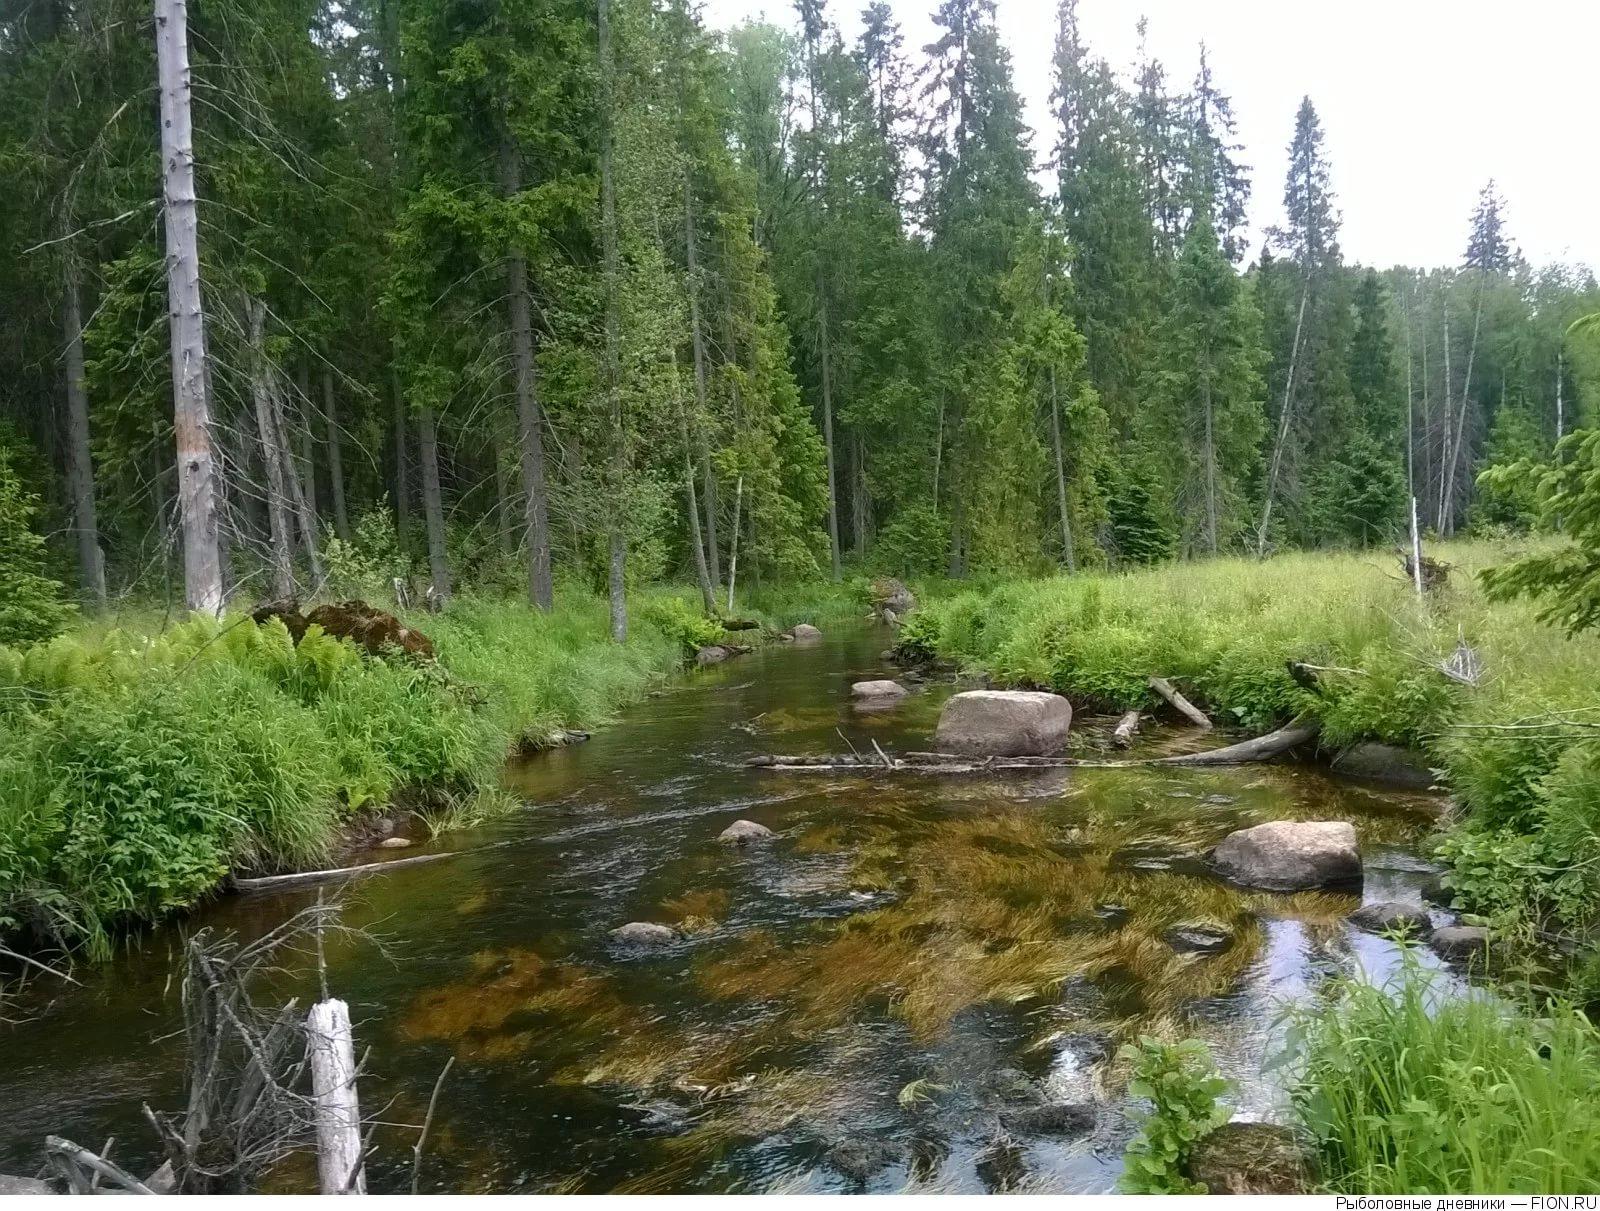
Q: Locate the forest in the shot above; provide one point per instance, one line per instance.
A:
(517, 311)
(601, 345)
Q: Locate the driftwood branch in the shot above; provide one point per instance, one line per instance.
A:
(1179, 703)
(267, 882)
(1261, 748)
(1123, 735)
(427, 1124)
(74, 1160)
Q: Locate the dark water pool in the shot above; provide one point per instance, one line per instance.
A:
(911, 962)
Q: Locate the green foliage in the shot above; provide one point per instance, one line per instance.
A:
(1407, 1090)
(367, 565)
(32, 606)
(1184, 1092)
(1567, 578)
(682, 620)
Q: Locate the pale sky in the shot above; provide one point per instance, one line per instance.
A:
(1421, 102)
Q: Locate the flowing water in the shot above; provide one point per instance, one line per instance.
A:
(869, 1002)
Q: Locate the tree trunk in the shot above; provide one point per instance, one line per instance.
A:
(304, 511)
(1461, 417)
(827, 434)
(402, 472)
(530, 418)
(1068, 553)
(1282, 438)
(702, 573)
(333, 1089)
(858, 494)
(280, 560)
(733, 553)
(433, 505)
(706, 555)
(1560, 373)
(307, 466)
(1444, 441)
(197, 491)
(330, 406)
(1411, 469)
(613, 336)
(80, 464)
(1210, 455)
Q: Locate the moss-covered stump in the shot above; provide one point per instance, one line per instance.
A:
(1250, 1158)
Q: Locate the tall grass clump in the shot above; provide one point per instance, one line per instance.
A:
(138, 770)
(1407, 1091)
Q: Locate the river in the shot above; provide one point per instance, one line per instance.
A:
(869, 1002)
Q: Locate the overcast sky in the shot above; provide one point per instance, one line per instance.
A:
(1421, 102)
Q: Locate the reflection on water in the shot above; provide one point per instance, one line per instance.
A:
(870, 1001)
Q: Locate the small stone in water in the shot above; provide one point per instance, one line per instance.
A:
(1074, 1119)
(860, 1159)
(1198, 938)
(395, 843)
(1461, 941)
(1392, 917)
(745, 832)
(644, 933)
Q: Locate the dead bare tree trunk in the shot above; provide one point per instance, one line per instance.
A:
(1411, 457)
(1068, 553)
(1560, 374)
(530, 415)
(707, 562)
(1282, 438)
(279, 538)
(827, 429)
(330, 406)
(433, 506)
(1444, 441)
(402, 472)
(733, 555)
(80, 463)
(617, 578)
(304, 510)
(197, 489)
(1210, 456)
(1461, 416)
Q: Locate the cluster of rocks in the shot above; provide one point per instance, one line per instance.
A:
(650, 935)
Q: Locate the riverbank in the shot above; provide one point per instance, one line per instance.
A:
(141, 766)
(1509, 721)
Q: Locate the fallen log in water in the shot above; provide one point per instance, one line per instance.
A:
(333, 1089)
(1122, 737)
(269, 882)
(1261, 748)
(1179, 703)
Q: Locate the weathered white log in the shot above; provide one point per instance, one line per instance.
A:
(1122, 736)
(1259, 749)
(267, 882)
(73, 1159)
(1179, 703)
(333, 1088)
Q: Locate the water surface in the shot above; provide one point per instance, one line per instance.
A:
(913, 960)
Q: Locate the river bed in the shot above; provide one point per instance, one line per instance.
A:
(870, 1002)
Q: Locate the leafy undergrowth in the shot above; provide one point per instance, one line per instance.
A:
(1520, 750)
(1406, 1092)
(137, 770)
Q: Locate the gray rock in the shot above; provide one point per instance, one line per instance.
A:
(1461, 942)
(877, 691)
(1061, 1119)
(1113, 916)
(1290, 856)
(804, 632)
(10, 1186)
(644, 934)
(711, 654)
(1250, 1158)
(395, 843)
(1385, 763)
(1004, 723)
(860, 1159)
(1088, 1049)
(892, 597)
(1198, 937)
(745, 832)
(1392, 917)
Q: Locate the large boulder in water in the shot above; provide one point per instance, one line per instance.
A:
(1288, 855)
(804, 632)
(1004, 723)
(644, 935)
(877, 693)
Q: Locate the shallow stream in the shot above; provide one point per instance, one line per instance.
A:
(876, 1000)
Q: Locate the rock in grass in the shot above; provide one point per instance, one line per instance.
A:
(860, 1159)
(644, 935)
(1198, 937)
(1075, 1118)
(1004, 723)
(1392, 917)
(877, 691)
(745, 832)
(395, 843)
(1286, 855)
(1250, 1158)
(1461, 942)
(1113, 916)
(804, 632)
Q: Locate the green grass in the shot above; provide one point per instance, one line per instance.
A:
(1405, 1092)
(138, 769)
(1225, 631)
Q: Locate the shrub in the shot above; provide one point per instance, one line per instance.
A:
(1183, 1089)
(32, 605)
